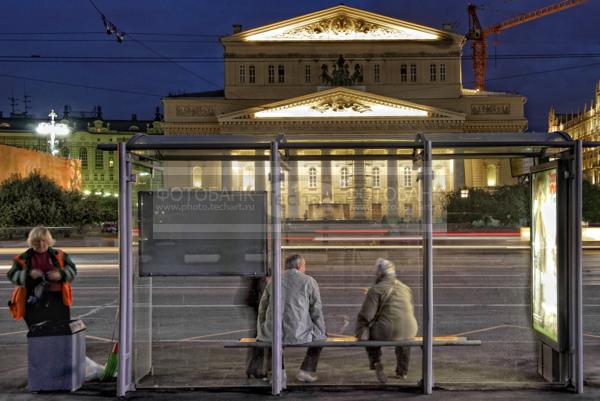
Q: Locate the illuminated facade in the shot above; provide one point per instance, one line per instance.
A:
(99, 170)
(338, 73)
(584, 125)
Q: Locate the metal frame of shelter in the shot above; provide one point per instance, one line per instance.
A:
(421, 148)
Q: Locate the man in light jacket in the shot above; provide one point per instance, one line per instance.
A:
(302, 315)
(387, 315)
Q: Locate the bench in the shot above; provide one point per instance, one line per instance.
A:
(348, 341)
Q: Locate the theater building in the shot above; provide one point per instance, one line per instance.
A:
(343, 73)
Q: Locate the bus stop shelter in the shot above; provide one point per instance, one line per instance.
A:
(143, 152)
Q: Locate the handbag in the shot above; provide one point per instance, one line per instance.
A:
(364, 334)
(16, 305)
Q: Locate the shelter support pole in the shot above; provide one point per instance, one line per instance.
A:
(576, 296)
(125, 278)
(427, 230)
(276, 346)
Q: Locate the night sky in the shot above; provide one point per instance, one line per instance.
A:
(561, 63)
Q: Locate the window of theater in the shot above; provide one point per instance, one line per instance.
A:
(376, 73)
(307, 74)
(344, 178)
(403, 75)
(376, 177)
(432, 72)
(407, 176)
(251, 74)
(242, 74)
(197, 177)
(271, 70)
(281, 74)
(442, 72)
(413, 73)
(312, 177)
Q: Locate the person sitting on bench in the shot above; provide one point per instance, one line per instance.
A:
(302, 314)
(387, 315)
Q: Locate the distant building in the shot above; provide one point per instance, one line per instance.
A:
(99, 170)
(584, 125)
(343, 72)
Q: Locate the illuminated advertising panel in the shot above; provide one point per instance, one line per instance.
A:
(544, 252)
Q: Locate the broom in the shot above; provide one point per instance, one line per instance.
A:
(112, 362)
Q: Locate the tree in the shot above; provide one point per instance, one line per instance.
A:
(36, 199)
(591, 202)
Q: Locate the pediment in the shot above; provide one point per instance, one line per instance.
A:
(341, 23)
(341, 103)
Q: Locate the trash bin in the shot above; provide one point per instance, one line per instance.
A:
(56, 356)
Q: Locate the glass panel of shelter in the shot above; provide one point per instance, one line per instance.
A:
(482, 273)
(340, 225)
(355, 211)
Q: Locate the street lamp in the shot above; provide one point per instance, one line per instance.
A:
(53, 129)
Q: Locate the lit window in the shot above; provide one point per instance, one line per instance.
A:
(344, 177)
(432, 72)
(442, 72)
(251, 74)
(99, 159)
(376, 177)
(403, 73)
(111, 163)
(307, 74)
(413, 73)
(281, 74)
(83, 157)
(271, 74)
(197, 177)
(407, 177)
(376, 73)
(242, 73)
(312, 177)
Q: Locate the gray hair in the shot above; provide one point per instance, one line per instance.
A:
(293, 261)
(39, 233)
(385, 267)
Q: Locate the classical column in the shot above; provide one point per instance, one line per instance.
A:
(326, 187)
(259, 173)
(359, 192)
(226, 178)
(459, 174)
(293, 198)
(392, 190)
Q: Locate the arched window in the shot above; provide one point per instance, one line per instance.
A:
(312, 177)
(83, 157)
(403, 73)
(413, 73)
(491, 175)
(442, 72)
(344, 177)
(307, 74)
(432, 72)
(376, 177)
(197, 177)
(281, 73)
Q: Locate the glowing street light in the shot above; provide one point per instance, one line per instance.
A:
(53, 129)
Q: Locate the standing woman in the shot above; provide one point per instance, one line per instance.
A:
(45, 274)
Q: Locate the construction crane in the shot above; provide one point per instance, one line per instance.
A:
(478, 35)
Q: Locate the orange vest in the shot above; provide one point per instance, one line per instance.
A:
(18, 300)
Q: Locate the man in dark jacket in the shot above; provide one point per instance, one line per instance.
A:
(387, 315)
